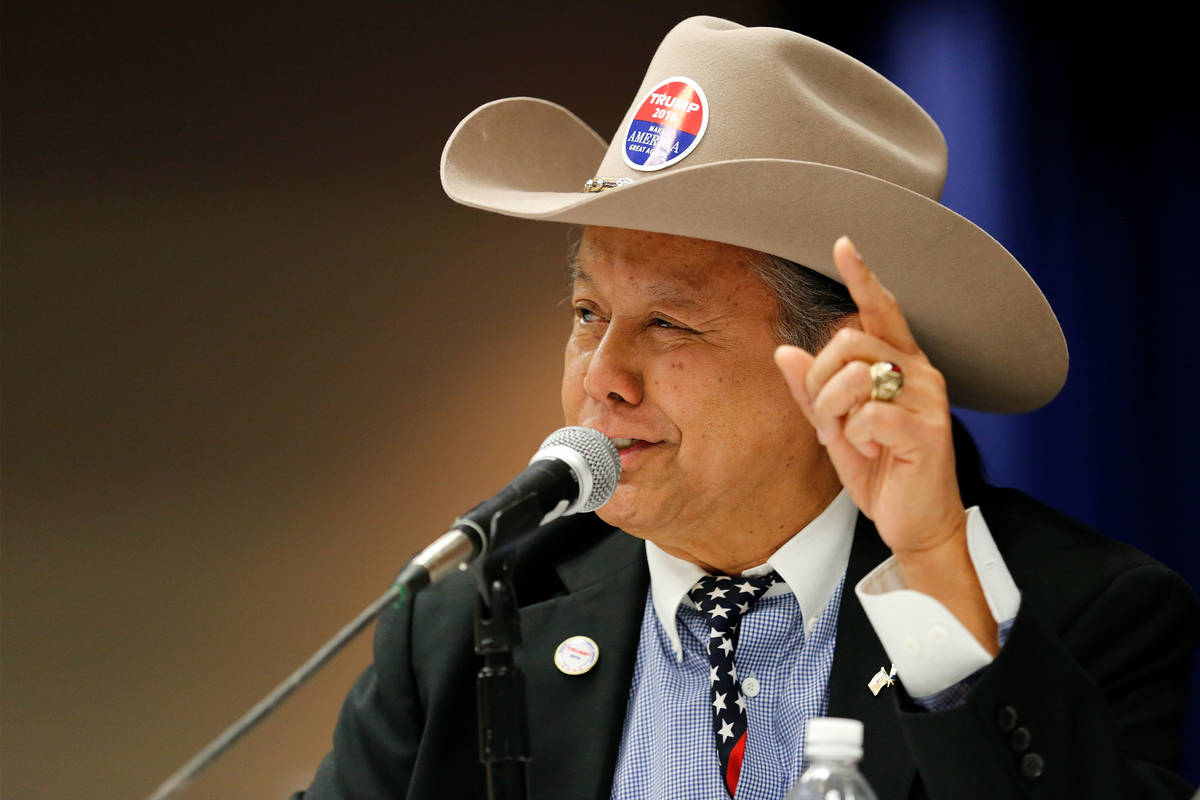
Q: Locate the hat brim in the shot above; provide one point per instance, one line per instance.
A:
(974, 310)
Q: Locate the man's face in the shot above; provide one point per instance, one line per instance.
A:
(671, 354)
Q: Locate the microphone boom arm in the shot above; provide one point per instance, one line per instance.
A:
(397, 593)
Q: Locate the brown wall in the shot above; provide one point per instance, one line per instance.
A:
(252, 357)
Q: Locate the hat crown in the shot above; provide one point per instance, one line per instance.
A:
(773, 93)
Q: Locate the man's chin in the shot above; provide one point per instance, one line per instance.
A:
(620, 511)
(635, 515)
(611, 514)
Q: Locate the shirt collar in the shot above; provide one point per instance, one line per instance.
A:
(810, 564)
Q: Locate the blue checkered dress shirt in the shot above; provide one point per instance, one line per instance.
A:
(667, 748)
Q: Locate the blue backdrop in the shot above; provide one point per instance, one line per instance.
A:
(1072, 140)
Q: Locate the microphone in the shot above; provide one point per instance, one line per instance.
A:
(575, 470)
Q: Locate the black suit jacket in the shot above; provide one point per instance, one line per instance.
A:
(1086, 699)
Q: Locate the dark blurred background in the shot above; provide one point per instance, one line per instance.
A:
(253, 358)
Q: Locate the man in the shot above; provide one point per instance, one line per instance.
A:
(1031, 657)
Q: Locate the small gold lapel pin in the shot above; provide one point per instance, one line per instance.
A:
(881, 679)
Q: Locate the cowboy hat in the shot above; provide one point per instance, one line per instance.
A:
(771, 140)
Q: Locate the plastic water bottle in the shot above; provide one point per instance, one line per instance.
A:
(833, 747)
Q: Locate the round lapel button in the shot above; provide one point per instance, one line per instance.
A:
(576, 655)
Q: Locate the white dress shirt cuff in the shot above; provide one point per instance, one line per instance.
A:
(930, 648)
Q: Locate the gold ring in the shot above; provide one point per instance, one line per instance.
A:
(886, 381)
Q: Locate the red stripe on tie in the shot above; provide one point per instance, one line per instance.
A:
(735, 765)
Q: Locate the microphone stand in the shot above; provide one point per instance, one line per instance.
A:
(500, 683)
(396, 594)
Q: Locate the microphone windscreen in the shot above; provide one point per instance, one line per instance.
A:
(601, 457)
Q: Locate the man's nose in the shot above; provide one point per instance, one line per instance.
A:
(614, 374)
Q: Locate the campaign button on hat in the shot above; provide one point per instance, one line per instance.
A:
(576, 655)
(667, 126)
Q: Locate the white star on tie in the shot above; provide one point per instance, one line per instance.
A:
(743, 607)
(741, 702)
(727, 646)
(726, 731)
(747, 588)
(713, 633)
(713, 677)
(719, 703)
(719, 611)
(717, 592)
(733, 673)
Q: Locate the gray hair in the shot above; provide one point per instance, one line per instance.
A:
(809, 304)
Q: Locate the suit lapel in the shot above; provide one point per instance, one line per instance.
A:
(857, 655)
(575, 721)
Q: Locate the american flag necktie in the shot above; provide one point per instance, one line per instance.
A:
(723, 600)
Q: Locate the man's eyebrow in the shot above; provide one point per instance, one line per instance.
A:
(669, 293)
(672, 294)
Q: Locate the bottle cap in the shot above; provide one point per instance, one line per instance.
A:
(833, 737)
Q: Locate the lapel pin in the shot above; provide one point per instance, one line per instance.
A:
(576, 655)
(881, 679)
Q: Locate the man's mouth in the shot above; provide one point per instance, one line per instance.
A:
(622, 443)
(630, 449)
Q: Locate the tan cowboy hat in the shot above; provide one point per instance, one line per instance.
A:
(770, 140)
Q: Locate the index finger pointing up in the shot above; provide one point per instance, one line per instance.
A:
(878, 312)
